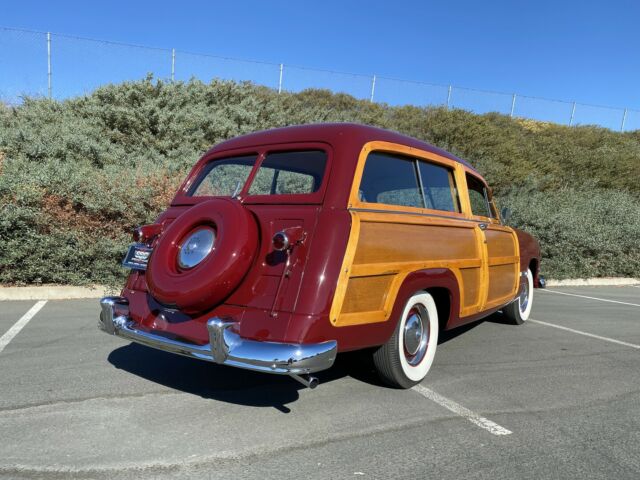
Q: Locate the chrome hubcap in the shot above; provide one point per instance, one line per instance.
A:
(416, 335)
(196, 247)
(524, 297)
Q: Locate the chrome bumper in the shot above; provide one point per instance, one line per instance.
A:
(226, 347)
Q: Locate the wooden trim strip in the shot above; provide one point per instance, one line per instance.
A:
(495, 261)
(345, 272)
(360, 318)
(422, 212)
(371, 269)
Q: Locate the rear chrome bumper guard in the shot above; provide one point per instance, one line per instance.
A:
(226, 347)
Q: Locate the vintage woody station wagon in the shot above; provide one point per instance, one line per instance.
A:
(284, 247)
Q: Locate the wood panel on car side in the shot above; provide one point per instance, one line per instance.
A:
(385, 247)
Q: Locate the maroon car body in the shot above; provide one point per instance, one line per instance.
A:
(278, 297)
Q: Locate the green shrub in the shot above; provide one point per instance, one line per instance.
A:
(77, 176)
(588, 233)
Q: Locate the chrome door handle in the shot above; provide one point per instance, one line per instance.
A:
(483, 226)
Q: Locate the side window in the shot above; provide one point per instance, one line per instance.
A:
(478, 197)
(390, 179)
(440, 191)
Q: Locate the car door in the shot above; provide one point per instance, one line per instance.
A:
(502, 260)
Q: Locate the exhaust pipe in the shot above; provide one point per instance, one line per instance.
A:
(307, 380)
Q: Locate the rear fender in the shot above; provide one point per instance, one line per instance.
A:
(440, 280)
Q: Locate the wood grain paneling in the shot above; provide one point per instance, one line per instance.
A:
(471, 287)
(388, 242)
(503, 264)
(390, 246)
(366, 294)
(502, 278)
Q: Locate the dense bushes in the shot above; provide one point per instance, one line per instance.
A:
(77, 176)
(587, 233)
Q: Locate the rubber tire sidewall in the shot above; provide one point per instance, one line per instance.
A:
(390, 360)
(512, 311)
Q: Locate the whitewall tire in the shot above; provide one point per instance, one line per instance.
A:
(407, 356)
(518, 311)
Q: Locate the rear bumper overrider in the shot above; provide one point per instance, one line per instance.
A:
(226, 347)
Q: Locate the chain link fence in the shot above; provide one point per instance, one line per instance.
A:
(62, 66)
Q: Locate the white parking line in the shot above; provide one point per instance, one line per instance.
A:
(586, 334)
(458, 409)
(20, 324)
(592, 298)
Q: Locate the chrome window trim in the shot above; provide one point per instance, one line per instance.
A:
(449, 217)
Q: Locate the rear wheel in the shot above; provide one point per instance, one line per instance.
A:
(518, 311)
(407, 356)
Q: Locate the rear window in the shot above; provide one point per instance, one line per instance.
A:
(296, 172)
(223, 178)
(281, 173)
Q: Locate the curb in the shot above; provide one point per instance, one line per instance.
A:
(593, 282)
(52, 292)
(65, 292)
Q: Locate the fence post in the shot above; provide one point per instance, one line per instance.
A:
(373, 88)
(448, 97)
(280, 80)
(573, 112)
(624, 118)
(513, 105)
(173, 64)
(49, 63)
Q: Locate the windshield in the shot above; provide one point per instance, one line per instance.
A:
(280, 173)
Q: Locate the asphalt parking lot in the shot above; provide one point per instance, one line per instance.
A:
(558, 397)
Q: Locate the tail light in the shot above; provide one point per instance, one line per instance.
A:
(146, 233)
(288, 238)
(280, 241)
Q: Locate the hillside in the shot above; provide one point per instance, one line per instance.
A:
(76, 176)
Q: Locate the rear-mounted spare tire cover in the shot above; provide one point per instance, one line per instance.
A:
(212, 279)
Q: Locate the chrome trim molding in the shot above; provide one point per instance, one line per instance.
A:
(226, 347)
(420, 214)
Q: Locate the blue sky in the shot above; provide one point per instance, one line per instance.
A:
(586, 51)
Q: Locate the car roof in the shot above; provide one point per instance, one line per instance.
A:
(336, 134)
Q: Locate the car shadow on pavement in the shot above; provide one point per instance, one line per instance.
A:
(244, 387)
(448, 335)
(228, 384)
(499, 317)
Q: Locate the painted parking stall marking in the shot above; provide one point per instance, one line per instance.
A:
(592, 298)
(586, 334)
(20, 324)
(482, 422)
